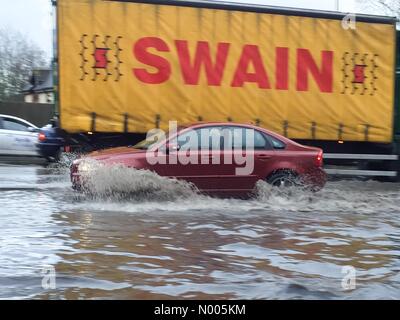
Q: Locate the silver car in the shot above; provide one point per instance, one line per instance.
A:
(17, 137)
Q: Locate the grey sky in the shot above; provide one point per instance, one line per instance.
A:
(33, 17)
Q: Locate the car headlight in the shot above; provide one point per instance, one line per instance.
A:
(85, 167)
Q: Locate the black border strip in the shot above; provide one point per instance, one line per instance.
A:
(234, 6)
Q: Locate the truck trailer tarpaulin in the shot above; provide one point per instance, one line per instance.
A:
(135, 64)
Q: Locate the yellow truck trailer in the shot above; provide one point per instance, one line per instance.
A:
(323, 78)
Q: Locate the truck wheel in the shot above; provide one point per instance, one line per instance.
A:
(283, 179)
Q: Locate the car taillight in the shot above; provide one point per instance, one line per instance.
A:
(42, 137)
(320, 158)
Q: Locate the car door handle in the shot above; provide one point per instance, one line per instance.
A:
(264, 156)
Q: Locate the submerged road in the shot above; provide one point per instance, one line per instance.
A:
(161, 240)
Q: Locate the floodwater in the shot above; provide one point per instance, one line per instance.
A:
(143, 237)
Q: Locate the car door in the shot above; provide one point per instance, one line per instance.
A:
(5, 141)
(19, 140)
(252, 157)
(210, 170)
(195, 158)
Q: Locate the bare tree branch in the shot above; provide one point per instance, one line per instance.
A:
(388, 7)
(18, 56)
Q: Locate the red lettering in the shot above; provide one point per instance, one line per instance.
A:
(323, 77)
(141, 53)
(251, 55)
(191, 73)
(282, 69)
(250, 68)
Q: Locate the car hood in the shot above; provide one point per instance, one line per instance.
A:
(106, 153)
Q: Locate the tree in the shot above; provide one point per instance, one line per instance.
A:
(386, 7)
(18, 56)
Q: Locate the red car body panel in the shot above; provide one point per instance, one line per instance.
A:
(219, 178)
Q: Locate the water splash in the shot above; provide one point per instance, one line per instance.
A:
(340, 196)
(118, 182)
(63, 165)
(112, 187)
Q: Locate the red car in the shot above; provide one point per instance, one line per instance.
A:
(219, 158)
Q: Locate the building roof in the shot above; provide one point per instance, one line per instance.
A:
(41, 80)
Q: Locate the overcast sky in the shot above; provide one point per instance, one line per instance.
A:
(33, 17)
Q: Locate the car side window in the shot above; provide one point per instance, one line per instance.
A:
(215, 138)
(277, 144)
(220, 138)
(15, 125)
(260, 143)
(246, 138)
(208, 138)
(188, 140)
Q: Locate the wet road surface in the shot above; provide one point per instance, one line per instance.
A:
(162, 240)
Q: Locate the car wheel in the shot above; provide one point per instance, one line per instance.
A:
(283, 179)
(54, 158)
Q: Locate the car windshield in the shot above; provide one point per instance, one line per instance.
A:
(147, 143)
(156, 138)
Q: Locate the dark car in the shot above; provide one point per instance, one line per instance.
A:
(51, 142)
(218, 158)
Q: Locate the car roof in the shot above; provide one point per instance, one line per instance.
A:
(217, 123)
(19, 119)
(201, 124)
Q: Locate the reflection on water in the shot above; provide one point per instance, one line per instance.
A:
(189, 246)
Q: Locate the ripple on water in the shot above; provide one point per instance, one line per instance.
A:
(144, 236)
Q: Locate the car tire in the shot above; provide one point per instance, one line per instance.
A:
(55, 158)
(284, 179)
